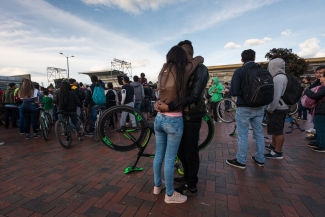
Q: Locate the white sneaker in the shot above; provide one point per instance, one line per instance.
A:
(157, 190)
(220, 121)
(311, 130)
(2, 143)
(175, 198)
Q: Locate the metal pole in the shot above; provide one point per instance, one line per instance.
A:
(68, 65)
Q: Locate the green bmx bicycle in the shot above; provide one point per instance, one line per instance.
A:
(133, 131)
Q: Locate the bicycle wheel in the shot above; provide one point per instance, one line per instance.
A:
(86, 126)
(63, 134)
(126, 133)
(82, 127)
(206, 133)
(44, 129)
(48, 119)
(96, 135)
(293, 109)
(226, 110)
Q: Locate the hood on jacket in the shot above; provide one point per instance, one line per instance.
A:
(216, 79)
(135, 84)
(276, 66)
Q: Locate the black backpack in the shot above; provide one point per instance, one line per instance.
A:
(110, 95)
(258, 89)
(81, 95)
(293, 91)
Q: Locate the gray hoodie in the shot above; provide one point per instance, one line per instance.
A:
(138, 91)
(280, 81)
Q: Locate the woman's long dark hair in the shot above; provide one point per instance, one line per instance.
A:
(176, 57)
(64, 95)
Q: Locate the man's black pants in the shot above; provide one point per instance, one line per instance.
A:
(188, 151)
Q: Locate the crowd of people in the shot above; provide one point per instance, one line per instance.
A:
(181, 103)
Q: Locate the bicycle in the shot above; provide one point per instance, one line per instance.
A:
(127, 138)
(64, 129)
(45, 121)
(100, 112)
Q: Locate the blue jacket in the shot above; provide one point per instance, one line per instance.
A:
(237, 83)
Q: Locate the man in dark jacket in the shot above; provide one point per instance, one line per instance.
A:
(89, 103)
(10, 106)
(246, 116)
(138, 92)
(188, 151)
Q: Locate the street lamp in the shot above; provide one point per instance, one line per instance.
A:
(67, 56)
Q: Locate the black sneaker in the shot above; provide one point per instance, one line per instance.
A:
(274, 155)
(304, 119)
(270, 147)
(37, 135)
(185, 190)
(90, 134)
(27, 136)
(258, 163)
(235, 163)
(312, 144)
(180, 180)
(319, 149)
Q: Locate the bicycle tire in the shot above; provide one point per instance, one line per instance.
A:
(44, 129)
(86, 126)
(48, 119)
(96, 135)
(293, 109)
(226, 110)
(125, 138)
(210, 128)
(63, 131)
(82, 127)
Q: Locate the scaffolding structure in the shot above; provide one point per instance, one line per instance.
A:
(55, 73)
(121, 66)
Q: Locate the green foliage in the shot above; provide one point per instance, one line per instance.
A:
(295, 65)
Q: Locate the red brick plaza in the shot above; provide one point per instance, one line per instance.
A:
(41, 178)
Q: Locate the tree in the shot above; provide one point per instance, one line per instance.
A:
(295, 65)
(150, 82)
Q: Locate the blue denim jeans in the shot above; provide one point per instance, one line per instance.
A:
(21, 120)
(319, 122)
(169, 131)
(31, 115)
(254, 117)
(93, 116)
(137, 105)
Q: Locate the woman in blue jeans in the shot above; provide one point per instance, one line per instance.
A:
(169, 126)
(29, 108)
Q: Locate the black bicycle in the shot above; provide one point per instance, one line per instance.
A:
(129, 135)
(45, 121)
(64, 130)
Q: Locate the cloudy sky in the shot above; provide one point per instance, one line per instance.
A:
(34, 32)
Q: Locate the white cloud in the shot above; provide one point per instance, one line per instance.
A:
(96, 9)
(286, 32)
(256, 41)
(232, 45)
(309, 48)
(133, 6)
(322, 34)
(140, 63)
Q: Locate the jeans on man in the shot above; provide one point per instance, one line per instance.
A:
(188, 151)
(137, 105)
(93, 116)
(168, 131)
(13, 112)
(80, 113)
(30, 114)
(125, 114)
(244, 117)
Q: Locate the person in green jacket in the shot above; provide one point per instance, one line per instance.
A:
(47, 103)
(215, 91)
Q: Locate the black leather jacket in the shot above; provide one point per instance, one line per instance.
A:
(320, 107)
(200, 80)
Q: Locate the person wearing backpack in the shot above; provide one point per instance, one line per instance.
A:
(10, 106)
(246, 114)
(127, 95)
(95, 98)
(138, 92)
(215, 91)
(80, 94)
(111, 100)
(277, 110)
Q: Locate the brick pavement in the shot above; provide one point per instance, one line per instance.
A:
(39, 178)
